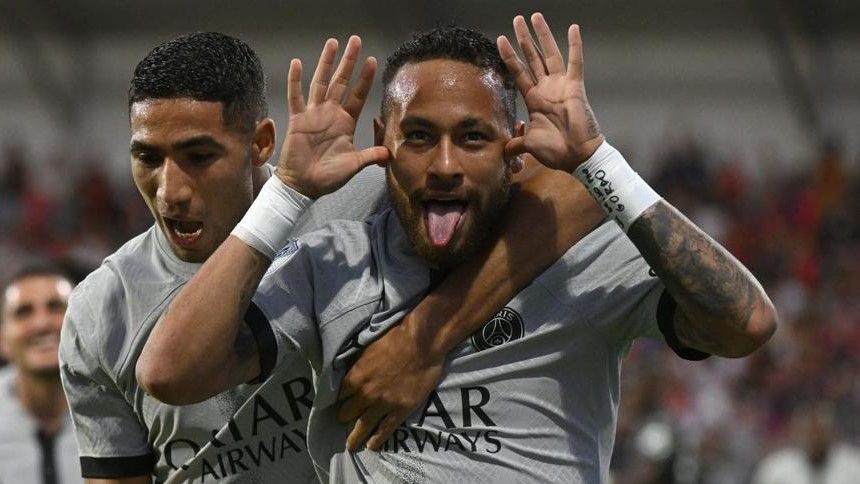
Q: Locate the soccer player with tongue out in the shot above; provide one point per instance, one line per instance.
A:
(533, 395)
(200, 139)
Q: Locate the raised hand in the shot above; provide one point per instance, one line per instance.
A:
(318, 155)
(562, 130)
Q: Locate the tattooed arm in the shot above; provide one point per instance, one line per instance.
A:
(722, 309)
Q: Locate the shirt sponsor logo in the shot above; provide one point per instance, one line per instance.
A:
(269, 432)
(506, 326)
(467, 426)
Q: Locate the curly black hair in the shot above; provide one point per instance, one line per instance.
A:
(205, 66)
(454, 43)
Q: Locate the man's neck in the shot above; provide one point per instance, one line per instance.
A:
(43, 398)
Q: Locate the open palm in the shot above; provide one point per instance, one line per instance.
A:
(318, 155)
(562, 130)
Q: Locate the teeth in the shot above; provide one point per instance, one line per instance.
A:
(186, 229)
(188, 234)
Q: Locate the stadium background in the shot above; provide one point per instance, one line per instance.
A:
(744, 114)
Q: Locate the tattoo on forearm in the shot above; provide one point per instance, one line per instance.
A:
(695, 335)
(697, 272)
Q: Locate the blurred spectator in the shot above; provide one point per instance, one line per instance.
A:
(12, 186)
(83, 225)
(648, 442)
(37, 443)
(799, 234)
(817, 458)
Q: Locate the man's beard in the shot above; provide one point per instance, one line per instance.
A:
(484, 215)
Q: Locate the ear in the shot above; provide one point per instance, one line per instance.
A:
(263, 142)
(378, 131)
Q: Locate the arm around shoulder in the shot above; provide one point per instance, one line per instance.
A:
(548, 213)
(197, 349)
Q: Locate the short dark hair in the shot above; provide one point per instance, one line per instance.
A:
(453, 43)
(205, 66)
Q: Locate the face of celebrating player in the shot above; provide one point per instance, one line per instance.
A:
(194, 171)
(33, 310)
(446, 127)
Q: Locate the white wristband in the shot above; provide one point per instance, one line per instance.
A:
(269, 221)
(619, 190)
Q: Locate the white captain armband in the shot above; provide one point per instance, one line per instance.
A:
(619, 190)
(270, 220)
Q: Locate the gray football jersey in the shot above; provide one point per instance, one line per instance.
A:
(251, 433)
(20, 451)
(531, 397)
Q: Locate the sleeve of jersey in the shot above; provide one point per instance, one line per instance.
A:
(666, 322)
(636, 302)
(281, 314)
(112, 442)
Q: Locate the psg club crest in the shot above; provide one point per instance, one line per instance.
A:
(506, 326)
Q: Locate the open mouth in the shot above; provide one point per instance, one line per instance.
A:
(184, 232)
(443, 218)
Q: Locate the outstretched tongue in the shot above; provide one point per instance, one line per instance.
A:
(442, 219)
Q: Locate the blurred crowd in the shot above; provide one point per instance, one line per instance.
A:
(79, 224)
(709, 422)
(713, 422)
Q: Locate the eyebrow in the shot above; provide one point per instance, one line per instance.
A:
(197, 142)
(193, 142)
(473, 122)
(141, 146)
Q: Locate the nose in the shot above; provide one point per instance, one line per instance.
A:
(446, 166)
(174, 184)
(46, 319)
